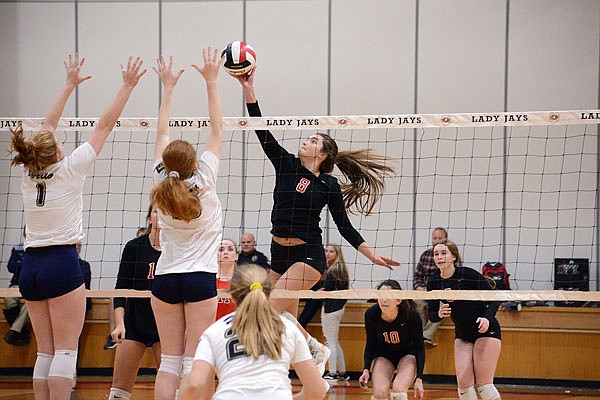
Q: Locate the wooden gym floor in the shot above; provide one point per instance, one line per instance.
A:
(96, 388)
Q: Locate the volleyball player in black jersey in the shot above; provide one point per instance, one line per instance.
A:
(394, 344)
(477, 344)
(135, 325)
(303, 188)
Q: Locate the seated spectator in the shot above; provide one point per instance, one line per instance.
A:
(249, 254)
(15, 311)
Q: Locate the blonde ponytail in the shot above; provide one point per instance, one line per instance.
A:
(258, 327)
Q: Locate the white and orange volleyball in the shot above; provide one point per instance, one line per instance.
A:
(239, 58)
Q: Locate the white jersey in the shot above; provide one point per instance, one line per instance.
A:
(53, 199)
(243, 377)
(192, 246)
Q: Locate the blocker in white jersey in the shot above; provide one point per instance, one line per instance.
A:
(241, 376)
(52, 199)
(51, 280)
(184, 291)
(192, 246)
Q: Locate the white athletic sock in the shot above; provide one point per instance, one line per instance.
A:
(116, 394)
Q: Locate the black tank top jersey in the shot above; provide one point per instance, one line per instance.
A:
(136, 271)
(300, 196)
(464, 314)
(394, 339)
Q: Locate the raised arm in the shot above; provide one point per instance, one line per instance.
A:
(271, 147)
(210, 72)
(131, 77)
(73, 67)
(169, 80)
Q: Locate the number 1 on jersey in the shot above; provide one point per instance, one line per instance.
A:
(40, 199)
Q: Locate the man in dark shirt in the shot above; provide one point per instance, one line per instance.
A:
(249, 253)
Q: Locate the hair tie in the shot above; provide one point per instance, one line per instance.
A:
(256, 286)
(174, 174)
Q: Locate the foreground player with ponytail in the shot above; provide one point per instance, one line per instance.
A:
(252, 349)
(477, 344)
(52, 184)
(184, 294)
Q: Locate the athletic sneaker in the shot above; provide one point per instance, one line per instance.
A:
(335, 376)
(110, 343)
(429, 343)
(320, 354)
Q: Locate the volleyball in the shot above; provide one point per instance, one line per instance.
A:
(239, 58)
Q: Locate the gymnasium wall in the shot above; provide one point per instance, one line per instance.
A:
(338, 57)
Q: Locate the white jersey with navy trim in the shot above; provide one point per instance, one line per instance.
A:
(243, 377)
(53, 199)
(192, 246)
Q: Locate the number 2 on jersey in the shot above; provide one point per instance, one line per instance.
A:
(234, 348)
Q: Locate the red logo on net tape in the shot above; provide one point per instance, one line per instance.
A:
(144, 123)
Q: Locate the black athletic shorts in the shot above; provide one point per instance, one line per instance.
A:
(472, 335)
(283, 257)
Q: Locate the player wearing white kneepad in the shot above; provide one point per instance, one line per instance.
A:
(184, 294)
(52, 182)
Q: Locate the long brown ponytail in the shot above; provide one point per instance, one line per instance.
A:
(172, 196)
(36, 153)
(364, 169)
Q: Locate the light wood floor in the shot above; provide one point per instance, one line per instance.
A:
(91, 388)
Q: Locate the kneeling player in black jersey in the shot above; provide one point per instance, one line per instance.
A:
(394, 344)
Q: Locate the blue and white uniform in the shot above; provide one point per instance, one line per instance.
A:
(241, 376)
(52, 200)
(186, 270)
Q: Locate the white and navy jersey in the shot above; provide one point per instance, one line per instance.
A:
(53, 199)
(192, 246)
(243, 377)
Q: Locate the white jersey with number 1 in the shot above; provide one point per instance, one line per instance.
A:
(53, 199)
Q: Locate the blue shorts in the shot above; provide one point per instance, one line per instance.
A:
(49, 272)
(189, 287)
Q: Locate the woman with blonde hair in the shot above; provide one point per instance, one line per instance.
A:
(336, 278)
(252, 349)
(184, 294)
(51, 280)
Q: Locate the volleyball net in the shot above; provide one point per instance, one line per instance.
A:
(520, 188)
